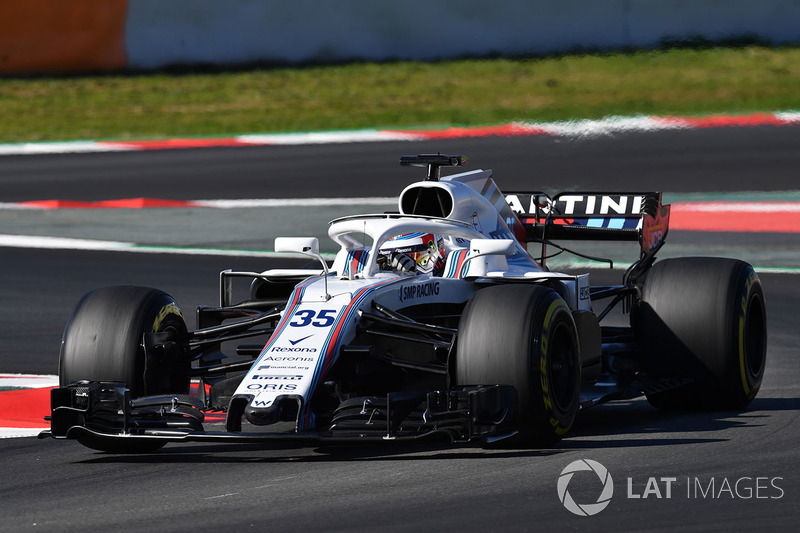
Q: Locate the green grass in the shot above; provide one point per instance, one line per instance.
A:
(401, 94)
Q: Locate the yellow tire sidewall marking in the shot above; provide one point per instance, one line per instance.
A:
(543, 356)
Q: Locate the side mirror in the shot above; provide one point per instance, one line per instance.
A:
(299, 245)
(498, 248)
(307, 246)
(480, 247)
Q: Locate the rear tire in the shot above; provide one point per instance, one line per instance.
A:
(705, 319)
(524, 336)
(103, 341)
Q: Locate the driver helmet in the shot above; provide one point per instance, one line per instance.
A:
(425, 249)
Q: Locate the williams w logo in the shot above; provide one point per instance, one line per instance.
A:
(585, 509)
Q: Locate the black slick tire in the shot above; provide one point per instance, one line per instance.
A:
(705, 319)
(525, 336)
(103, 341)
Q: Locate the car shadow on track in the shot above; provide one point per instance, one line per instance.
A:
(636, 423)
(250, 453)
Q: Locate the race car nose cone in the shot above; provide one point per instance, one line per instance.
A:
(283, 408)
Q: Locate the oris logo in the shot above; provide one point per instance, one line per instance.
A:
(585, 509)
(272, 386)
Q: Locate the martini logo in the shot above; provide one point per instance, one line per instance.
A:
(577, 205)
(585, 509)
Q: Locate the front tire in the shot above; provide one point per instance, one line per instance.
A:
(524, 336)
(705, 319)
(103, 341)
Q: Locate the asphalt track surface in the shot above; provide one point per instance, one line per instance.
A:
(56, 485)
(737, 159)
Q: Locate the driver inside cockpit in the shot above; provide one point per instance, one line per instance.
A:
(422, 253)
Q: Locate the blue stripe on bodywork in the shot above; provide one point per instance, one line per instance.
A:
(457, 258)
(333, 342)
(294, 300)
(616, 223)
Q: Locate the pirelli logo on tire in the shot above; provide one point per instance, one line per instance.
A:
(170, 308)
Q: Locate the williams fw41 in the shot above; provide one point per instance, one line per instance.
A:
(432, 322)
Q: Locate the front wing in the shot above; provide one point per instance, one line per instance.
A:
(101, 415)
(98, 413)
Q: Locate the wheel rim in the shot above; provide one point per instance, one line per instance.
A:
(755, 337)
(562, 367)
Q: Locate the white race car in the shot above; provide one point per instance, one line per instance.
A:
(432, 322)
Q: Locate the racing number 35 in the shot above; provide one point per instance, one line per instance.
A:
(305, 317)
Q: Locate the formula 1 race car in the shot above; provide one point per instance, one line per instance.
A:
(433, 322)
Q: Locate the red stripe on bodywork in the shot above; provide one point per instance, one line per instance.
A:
(332, 343)
(354, 302)
(294, 301)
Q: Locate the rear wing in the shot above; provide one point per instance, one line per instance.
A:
(593, 216)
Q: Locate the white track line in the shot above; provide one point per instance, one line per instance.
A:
(13, 433)
(327, 137)
(60, 148)
(60, 243)
(28, 381)
(606, 126)
(293, 202)
(65, 243)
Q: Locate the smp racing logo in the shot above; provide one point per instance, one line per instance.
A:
(412, 292)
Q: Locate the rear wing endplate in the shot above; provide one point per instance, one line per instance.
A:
(593, 216)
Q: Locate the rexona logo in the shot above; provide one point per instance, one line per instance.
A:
(585, 509)
(284, 349)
